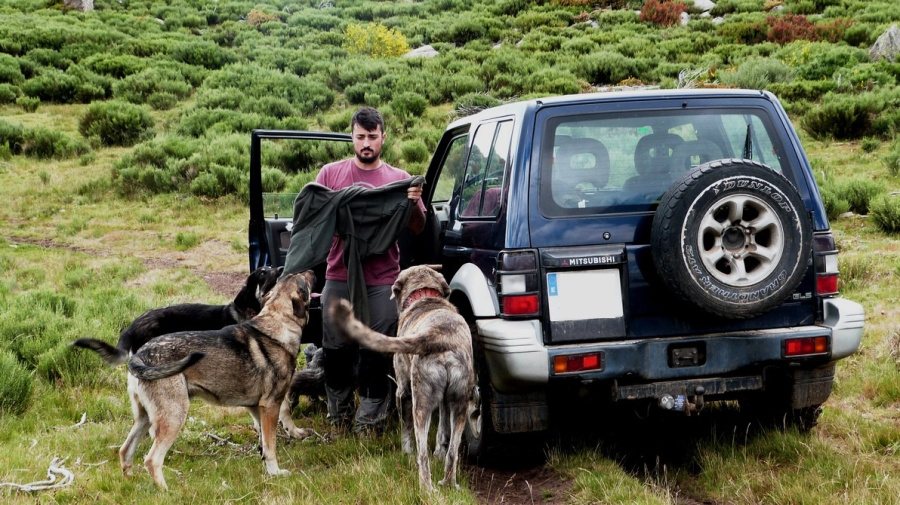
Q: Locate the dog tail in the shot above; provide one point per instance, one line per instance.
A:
(151, 373)
(113, 356)
(342, 320)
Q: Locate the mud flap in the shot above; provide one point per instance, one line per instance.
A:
(520, 413)
(812, 387)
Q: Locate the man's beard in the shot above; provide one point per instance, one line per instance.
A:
(370, 158)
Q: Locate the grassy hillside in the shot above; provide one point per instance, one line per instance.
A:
(124, 151)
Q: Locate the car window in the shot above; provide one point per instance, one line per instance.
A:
(481, 193)
(451, 169)
(614, 163)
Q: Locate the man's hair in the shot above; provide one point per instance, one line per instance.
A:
(367, 117)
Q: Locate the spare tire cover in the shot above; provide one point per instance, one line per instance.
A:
(732, 237)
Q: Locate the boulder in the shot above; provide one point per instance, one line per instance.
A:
(425, 51)
(704, 5)
(887, 46)
(80, 5)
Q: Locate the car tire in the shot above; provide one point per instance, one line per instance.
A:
(479, 432)
(732, 237)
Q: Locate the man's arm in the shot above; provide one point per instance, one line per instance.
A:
(417, 217)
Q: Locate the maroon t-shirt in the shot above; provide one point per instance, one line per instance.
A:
(378, 270)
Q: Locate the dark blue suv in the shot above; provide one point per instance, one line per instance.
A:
(666, 247)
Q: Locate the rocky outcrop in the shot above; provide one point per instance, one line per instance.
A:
(80, 5)
(422, 52)
(887, 46)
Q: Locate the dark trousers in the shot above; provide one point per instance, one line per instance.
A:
(348, 365)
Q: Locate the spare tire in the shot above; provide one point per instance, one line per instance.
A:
(732, 237)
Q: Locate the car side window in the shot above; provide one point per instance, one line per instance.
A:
(482, 191)
(451, 170)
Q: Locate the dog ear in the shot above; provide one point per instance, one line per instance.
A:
(298, 304)
(396, 288)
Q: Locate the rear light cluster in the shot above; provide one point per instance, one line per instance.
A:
(578, 363)
(805, 346)
(825, 257)
(517, 281)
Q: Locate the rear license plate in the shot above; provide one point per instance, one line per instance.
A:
(577, 296)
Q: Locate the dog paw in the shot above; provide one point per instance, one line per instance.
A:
(279, 471)
(301, 433)
(444, 483)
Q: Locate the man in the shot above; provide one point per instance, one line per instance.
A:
(341, 357)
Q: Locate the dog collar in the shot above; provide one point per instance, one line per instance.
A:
(421, 293)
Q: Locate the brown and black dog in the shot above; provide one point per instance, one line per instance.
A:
(433, 362)
(248, 365)
(195, 317)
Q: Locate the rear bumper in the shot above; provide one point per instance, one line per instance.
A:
(519, 362)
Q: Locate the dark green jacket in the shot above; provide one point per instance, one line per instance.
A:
(368, 220)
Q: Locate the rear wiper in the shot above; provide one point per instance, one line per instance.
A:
(748, 144)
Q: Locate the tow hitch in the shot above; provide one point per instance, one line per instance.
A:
(684, 403)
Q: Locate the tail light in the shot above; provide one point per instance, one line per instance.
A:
(578, 363)
(805, 346)
(825, 257)
(517, 280)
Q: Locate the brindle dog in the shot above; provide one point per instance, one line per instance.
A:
(433, 362)
(248, 365)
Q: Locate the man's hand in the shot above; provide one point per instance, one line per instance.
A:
(414, 193)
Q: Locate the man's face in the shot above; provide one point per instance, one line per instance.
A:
(367, 143)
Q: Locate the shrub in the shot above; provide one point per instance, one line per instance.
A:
(52, 85)
(473, 102)
(116, 123)
(891, 160)
(9, 93)
(273, 180)
(28, 103)
(409, 104)
(10, 72)
(203, 53)
(257, 17)
(118, 66)
(42, 143)
(606, 67)
(723, 7)
(885, 213)
(162, 100)
(747, 33)
(218, 181)
(860, 192)
(414, 151)
(375, 40)
(835, 203)
(802, 89)
(758, 73)
(12, 136)
(870, 145)
(137, 88)
(662, 12)
(185, 240)
(269, 106)
(839, 117)
(16, 385)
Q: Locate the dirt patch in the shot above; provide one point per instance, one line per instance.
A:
(224, 283)
(537, 484)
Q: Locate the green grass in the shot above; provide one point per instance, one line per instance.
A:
(77, 259)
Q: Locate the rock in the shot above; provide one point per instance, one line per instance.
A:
(704, 5)
(425, 51)
(887, 46)
(685, 18)
(80, 5)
